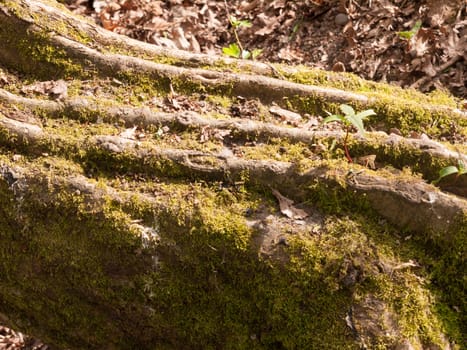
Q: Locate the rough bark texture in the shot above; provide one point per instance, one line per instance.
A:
(147, 200)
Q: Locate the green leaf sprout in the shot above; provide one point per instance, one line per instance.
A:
(349, 119)
(236, 50)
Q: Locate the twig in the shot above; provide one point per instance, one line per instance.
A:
(444, 66)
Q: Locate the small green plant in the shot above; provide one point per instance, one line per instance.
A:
(460, 169)
(236, 49)
(409, 34)
(349, 119)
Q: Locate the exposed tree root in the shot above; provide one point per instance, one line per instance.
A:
(407, 203)
(146, 117)
(247, 85)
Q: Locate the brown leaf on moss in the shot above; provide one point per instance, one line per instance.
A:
(287, 208)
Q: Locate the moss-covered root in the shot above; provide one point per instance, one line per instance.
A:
(180, 267)
(55, 44)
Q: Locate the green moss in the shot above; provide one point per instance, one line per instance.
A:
(390, 102)
(369, 246)
(208, 275)
(73, 257)
(64, 26)
(36, 56)
(205, 282)
(351, 82)
(401, 156)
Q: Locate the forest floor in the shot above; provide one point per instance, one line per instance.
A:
(377, 40)
(420, 44)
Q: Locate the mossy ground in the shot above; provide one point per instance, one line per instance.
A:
(174, 263)
(204, 283)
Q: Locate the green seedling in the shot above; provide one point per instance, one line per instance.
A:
(236, 49)
(412, 32)
(459, 170)
(349, 119)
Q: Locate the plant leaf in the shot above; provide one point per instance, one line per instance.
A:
(347, 110)
(233, 21)
(446, 171)
(362, 115)
(334, 118)
(357, 122)
(232, 50)
(255, 53)
(244, 23)
(410, 33)
(239, 23)
(462, 168)
(449, 170)
(246, 54)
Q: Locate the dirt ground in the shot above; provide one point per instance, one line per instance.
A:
(420, 44)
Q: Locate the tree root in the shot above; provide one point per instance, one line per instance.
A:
(255, 85)
(409, 203)
(248, 128)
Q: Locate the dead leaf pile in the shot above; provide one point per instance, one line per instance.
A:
(208, 133)
(12, 340)
(56, 90)
(243, 108)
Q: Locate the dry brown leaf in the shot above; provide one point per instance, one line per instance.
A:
(368, 161)
(55, 89)
(129, 134)
(249, 5)
(420, 43)
(58, 90)
(208, 133)
(278, 4)
(287, 31)
(180, 39)
(268, 25)
(162, 41)
(3, 78)
(287, 208)
(429, 69)
(129, 5)
(108, 24)
(410, 263)
(194, 44)
(157, 24)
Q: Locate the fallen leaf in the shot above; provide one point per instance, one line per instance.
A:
(287, 208)
(368, 161)
(180, 39)
(410, 263)
(129, 133)
(3, 78)
(207, 133)
(58, 90)
(55, 89)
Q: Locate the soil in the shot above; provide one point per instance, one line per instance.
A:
(377, 40)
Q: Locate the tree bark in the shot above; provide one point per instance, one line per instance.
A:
(152, 198)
